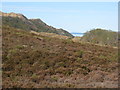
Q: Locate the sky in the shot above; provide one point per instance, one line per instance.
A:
(71, 16)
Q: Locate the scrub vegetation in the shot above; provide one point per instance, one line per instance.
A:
(38, 61)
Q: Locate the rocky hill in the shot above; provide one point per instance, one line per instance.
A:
(20, 21)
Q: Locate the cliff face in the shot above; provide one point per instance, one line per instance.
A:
(20, 21)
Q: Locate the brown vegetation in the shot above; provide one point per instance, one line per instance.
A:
(38, 61)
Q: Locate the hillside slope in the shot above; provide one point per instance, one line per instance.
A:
(37, 61)
(101, 37)
(20, 21)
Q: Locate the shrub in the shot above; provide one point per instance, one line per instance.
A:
(68, 72)
(54, 78)
(34, 78)
(79, 59)
(80, 54)
(19, 47)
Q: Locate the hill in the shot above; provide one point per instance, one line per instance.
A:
(101, 37)
(20, 21)
(31, 60)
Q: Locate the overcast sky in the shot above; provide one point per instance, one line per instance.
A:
(71, 16)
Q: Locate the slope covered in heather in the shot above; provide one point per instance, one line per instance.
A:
(32, 60)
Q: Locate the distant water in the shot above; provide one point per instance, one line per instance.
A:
(77, 34)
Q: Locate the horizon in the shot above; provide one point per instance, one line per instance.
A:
(74, 17)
